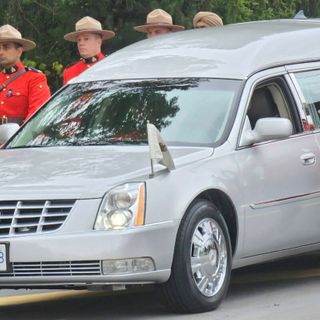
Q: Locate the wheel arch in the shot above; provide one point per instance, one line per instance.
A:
(180, 292)
(224, 204)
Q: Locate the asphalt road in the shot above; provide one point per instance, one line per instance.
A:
(283, 290)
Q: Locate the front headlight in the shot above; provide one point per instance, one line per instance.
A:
(122, 207)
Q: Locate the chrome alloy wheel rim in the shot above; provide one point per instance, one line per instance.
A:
(208, 257)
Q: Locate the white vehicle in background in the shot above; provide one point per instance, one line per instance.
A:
(232, 177)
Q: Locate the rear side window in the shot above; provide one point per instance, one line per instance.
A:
(309, 83)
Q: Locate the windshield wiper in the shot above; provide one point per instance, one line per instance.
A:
(115, 142)
(85, 143)
(27, 147)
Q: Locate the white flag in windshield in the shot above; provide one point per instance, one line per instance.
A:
(158, 149)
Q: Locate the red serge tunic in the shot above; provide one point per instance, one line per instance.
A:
(24, 95)
(80, 66)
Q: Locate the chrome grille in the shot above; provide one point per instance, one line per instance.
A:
(27, 217)
(61, 268)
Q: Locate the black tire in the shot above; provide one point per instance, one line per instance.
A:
(181, 292)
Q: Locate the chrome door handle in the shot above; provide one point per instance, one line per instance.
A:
(308, 159)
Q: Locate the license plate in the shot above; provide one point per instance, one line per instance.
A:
(3, 257)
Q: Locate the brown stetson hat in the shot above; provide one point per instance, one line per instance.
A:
(88, 25)
(10, 34)
(159, 18)
(210, 19)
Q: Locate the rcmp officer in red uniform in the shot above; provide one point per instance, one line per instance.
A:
(22, 89)
(88, 36)
(158, 22)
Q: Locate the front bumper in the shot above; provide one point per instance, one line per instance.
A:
(38, 251)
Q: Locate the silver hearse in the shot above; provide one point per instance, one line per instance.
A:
(171, 162)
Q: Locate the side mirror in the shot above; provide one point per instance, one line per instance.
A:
(266, 129)
(7, 130)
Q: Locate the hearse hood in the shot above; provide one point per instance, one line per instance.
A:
(79, 172)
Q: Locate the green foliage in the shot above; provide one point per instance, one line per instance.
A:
(46, 22)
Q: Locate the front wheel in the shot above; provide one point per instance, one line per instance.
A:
(201, 266)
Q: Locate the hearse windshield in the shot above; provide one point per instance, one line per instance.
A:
(185, 111)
